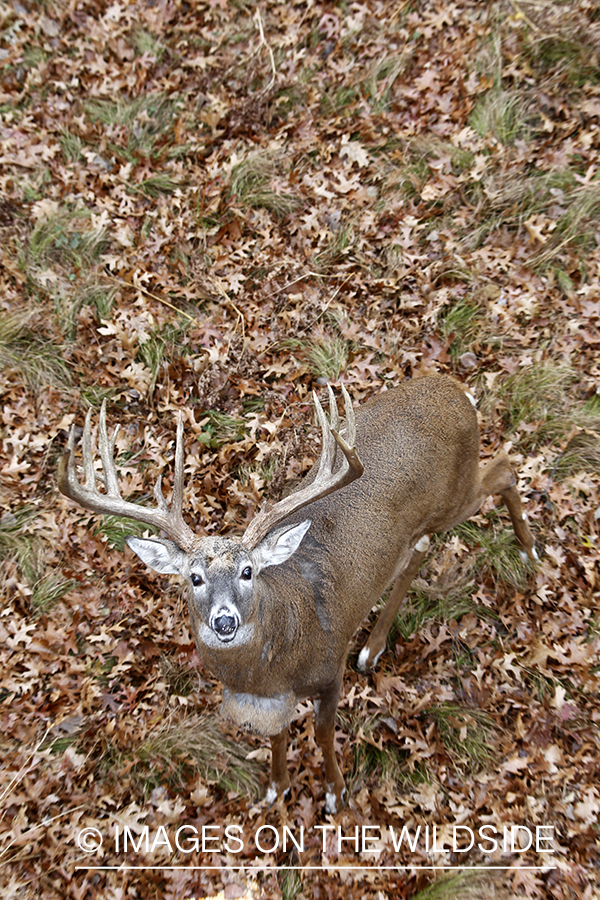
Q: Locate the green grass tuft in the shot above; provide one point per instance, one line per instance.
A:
(464, 322)
(265, 470)
(582, 454)
(71, 145)
(290, 883)
(466, 734)
(471, 885)
(388, 763)
(542, 685)
(67, 239)
(161, 344)
(19, 544)
(69, 299)
(577, 227)
(153, 187)
(36, 357)
(98, 295)
(21, 547)
(48, 590)
(338, 99)
(251, 181)
(502, 115)
(137, 126)
(335, 248)
(147, 44)
(497, 553)
(536, 403)
(424, 605)
(93, 395)
(114, 530)
(563, 44)
(218, 428)
(180, 746)
(328, 357)
(378, 86)
(181, 679)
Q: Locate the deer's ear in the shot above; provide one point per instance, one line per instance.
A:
(162, 556)
(279, 545)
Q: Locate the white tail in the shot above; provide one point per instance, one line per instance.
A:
(273, 612)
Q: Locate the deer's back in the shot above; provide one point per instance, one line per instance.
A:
(419, 444)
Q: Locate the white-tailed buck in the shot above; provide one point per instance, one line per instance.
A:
(273, 612)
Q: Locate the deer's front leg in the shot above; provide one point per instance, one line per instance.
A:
(325, 708)
(280, 779)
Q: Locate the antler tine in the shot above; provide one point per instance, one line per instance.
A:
(328, 445)
(168, 519)
(348, 446)
(334, 416)
(66, 463)
(177, 498)
(107, 451)
(86, 449)
(326, 481)
(350, 417)
(159, 496)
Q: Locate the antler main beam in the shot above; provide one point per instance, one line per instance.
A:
(168, 519)
(326, 481)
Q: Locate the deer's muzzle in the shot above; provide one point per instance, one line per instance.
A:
(225, 623)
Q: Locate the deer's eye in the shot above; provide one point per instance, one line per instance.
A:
(247, 573)
(196, 580)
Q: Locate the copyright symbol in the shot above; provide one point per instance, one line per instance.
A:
(89, 840)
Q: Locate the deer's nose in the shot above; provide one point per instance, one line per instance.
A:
(225, 624)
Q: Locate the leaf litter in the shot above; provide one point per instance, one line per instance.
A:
(217, 208)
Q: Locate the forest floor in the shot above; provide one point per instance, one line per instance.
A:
(218, 207)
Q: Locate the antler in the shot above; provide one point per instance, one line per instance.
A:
(326, 481)
(168, 519)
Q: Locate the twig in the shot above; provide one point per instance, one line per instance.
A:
(301, 278)
(325, 308)
(264, 43)
(230, 303)
(138, 287)
(317, 317)
(524, 16)
(42, 824)
(17, 777)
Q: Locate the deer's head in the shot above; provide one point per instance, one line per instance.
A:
(222, 574)
(221, 571)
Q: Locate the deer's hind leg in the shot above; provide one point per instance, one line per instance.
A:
(376, 643)
(497, 477)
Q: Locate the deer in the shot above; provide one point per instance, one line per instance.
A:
(273, 612)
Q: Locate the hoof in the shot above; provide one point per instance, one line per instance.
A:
(273, 794)
(529, 556)
(332, 803)
(363, 664)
